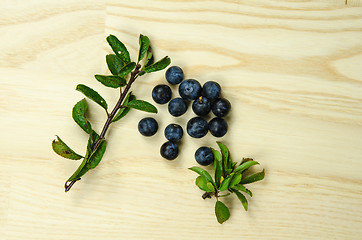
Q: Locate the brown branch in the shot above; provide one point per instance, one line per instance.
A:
(134, 74)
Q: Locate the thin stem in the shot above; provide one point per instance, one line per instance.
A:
(134, 74)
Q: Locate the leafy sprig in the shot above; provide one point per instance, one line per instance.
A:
(228, 176)
(123, 74)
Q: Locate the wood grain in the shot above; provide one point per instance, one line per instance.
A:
(291, 70)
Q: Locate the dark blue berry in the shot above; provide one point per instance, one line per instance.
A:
(177, 107)
(204, 156)
(174, 132)
(218, 127)
(197, 127)
(161, 94)
(221, 107)
(174, 75)
(169, 150)
(148, 126)
(201, 106)
(211, 90)
(190, 89)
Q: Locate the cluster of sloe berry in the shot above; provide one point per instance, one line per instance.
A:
(205, 98)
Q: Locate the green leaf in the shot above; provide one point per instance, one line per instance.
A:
(244, 166)
(142, 105)
(114, 63)
(150, 58)
(201, 182)
(91, 94)
(111, 81)
(210, 186)
(127, 69)
(157, 66)
(217, 154)
(225, 183)
(233, 165)
(217, 167)
(81, 170)
(93, 138)
(242, 188)
(119, 48)
(235, 180)
(149, 61)
(225, 195)
(144, 45)
(225, 156)
(78, 115)
(97, 155)
(228, 171)
(203, 173)
(242, 199)
(63, 150)
(253, 178)
(124, 110)
(222, 212)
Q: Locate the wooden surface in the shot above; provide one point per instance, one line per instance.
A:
(291, 69)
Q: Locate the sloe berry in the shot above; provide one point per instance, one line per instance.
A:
(169, 150)
(201, 106)
(197, 127)
(174, 75)
(177, 107)
(211, 90)
(161, 94)
(221, 107)
(218, 127)
(148, 126)
(190, 89)
(204, 156)
(174, 132)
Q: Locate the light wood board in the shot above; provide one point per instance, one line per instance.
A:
(291, 69)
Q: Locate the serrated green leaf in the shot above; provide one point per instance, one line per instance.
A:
(244, 166)
(142, 105)
(242, 188)
(218, 172)
(217, 167)
(93, 95)
(203, 173)
(78, 114)
(93, 138)
(97, 155)
(233, 165)
(235, 180)
(149, 61)
(225, 183)
(111, 81)
(150, 58)
(217, 154)
(222, 212)
(226, 163)
(144, 42)
(253, 178)
(63, 150)
(210, 186)
(127, 69)
(114, 63)
(157, 66)
(119, 48)
(124, 110)
(201, 182)
(225, 195)
(242, 199)
(81, 170)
